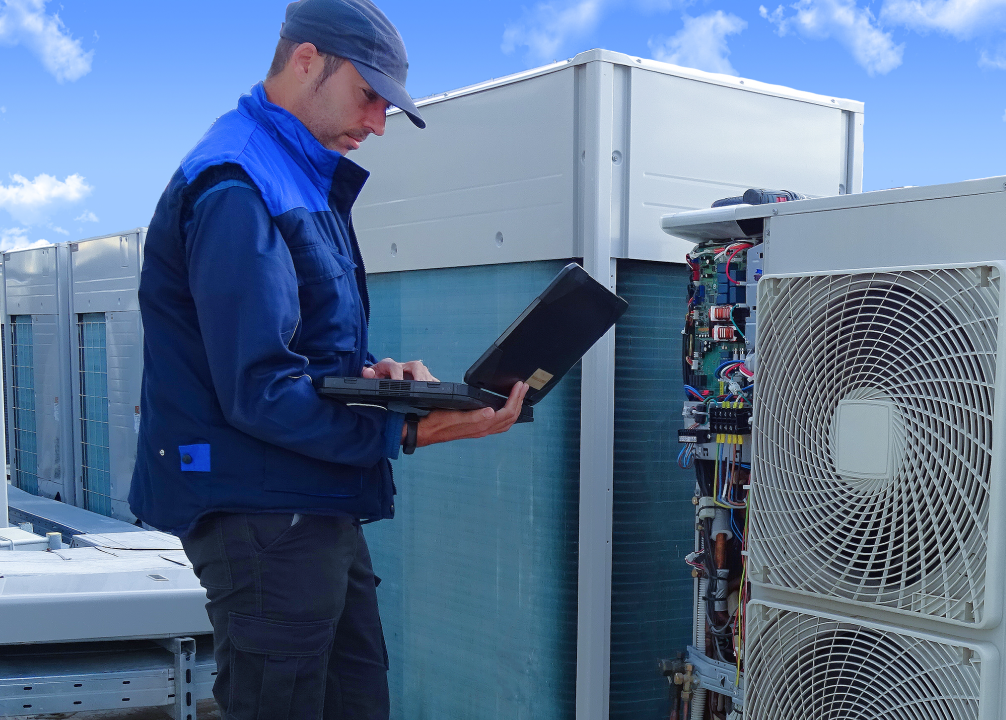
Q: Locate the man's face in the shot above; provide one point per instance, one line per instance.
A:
(343, 110)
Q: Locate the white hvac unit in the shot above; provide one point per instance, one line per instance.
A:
(876, 551)
(38, 378)
(106, 366)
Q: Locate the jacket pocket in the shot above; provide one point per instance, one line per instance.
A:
(330, 306)
(317, 263)
(278, 669)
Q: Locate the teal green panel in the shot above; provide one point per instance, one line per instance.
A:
(95, 463)
(25, 467)
(479, 566)
(653, 517)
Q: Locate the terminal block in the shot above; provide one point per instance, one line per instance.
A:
(730, 419)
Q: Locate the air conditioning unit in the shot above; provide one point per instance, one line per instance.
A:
(37, 374)
(106, 367)
(876, 549)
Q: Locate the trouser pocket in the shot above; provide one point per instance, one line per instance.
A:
(278, 668)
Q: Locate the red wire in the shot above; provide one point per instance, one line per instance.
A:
(731, 257)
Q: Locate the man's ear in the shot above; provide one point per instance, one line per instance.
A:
(304, 62)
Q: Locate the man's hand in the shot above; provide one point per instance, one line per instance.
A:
(446, 425)
(391, 370)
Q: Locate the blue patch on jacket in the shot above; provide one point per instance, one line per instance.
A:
(194, 458)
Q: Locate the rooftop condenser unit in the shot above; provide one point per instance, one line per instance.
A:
(875, 551)
(873, 484)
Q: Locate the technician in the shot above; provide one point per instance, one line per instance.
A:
(253, 289)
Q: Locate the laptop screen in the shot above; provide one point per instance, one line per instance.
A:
(549, 337)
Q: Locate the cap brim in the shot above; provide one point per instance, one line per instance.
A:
(391, 90)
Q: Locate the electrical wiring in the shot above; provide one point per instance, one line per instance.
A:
(696, 393)
(737, 249)
(726, 364)
(734, 322)
(686, 456)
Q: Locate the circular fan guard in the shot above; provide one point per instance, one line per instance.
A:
(802, 667)
(925, 342)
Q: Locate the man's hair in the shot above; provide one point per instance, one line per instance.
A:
(284, 51)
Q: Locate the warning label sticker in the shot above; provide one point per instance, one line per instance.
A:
(539, 379)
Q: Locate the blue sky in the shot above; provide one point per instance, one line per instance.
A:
(100, 99)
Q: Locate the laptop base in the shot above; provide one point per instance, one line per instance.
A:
(419, 397)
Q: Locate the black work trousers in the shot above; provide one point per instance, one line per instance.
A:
(296, 628)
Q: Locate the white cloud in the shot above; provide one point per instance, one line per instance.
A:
(16, 238)
(545, 29)
(3, 108)
(1004, 116)
(25, 22)
(961, 18)
(86, 216)
(996, 61)
(27, 200)
(854, 27)
(57, 228)
(701, 43)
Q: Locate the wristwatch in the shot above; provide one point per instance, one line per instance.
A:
(411, 433)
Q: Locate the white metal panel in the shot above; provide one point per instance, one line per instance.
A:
(31, 281)
(490, 180)
(917, 226)
(91, 594)
(105, 274)
(693, 142)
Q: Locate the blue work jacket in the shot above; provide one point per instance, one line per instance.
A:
(252, 290)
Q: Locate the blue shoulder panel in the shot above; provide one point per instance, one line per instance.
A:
(237, 138)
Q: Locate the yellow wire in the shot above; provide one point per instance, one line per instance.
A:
(741, 609)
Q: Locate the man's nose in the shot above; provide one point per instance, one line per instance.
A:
(376, 120)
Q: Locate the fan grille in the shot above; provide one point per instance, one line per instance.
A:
(923, 344)
(803, 667)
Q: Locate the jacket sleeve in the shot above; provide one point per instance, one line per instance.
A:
(244, 287)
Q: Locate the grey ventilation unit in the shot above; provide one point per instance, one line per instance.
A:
(106, 366)
(875, 457)
(803, 666)
(38, 375)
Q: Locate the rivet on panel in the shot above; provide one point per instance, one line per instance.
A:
(394, 249)
(499, 239)
(616, 157)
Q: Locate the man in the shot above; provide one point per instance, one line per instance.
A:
(253, 289)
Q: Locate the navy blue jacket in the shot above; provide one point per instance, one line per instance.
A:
(252, 290)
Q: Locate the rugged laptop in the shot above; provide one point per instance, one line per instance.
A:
(539, 348)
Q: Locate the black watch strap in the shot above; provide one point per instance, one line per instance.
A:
(411, 433)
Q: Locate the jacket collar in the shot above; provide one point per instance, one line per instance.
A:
(336, 176)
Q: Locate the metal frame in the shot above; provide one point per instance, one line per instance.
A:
(596, 101)
(76, 677)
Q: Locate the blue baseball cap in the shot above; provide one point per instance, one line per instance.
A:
(358, 31)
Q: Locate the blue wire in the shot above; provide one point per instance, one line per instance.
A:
(694, 392)
(723, 365)
(736, 528)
